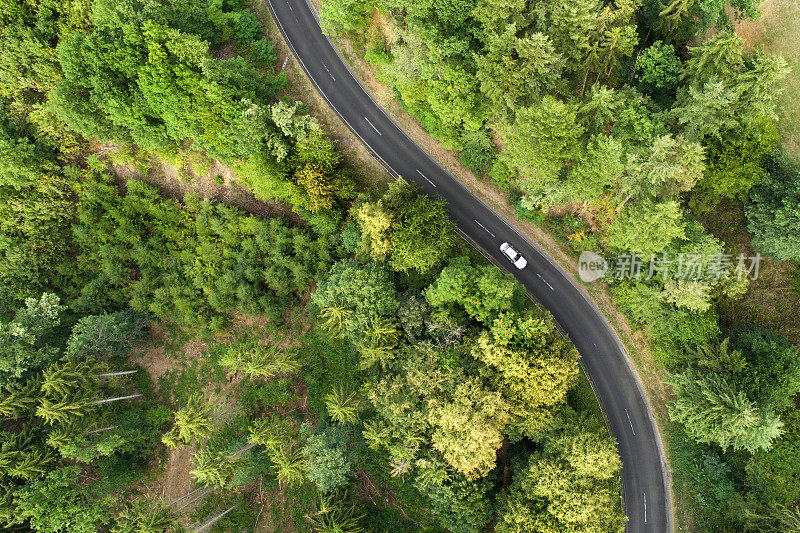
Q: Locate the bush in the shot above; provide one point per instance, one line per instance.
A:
(263, 51)
(503, 175)
(478, 153)
(329, 456)
(351, 236)
(658, 71)
(255, 397)
(246, 26)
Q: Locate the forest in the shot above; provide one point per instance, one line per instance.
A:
(355, 366)
(631, 129)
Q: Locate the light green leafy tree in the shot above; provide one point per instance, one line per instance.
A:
(647, 229)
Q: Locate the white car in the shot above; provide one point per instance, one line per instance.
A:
(514, 256)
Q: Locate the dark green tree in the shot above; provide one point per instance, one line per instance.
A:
(773, 217)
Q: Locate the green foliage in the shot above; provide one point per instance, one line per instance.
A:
(351, 236)
(59, 501)
(192, 423)
(166, 74)
(736, 164)
(468, 429)
(246, 26)
(22, 344)
(530, 363)
(328, 453)
(503, 175)
(36, 209)
(514, 71)
(713, 411)
(333, 515)
(145, 516)
(343, 405)
(667, 167)
(193, 263)
(214, 469)
(542, 140)
(658, 71)
(479, 153)
(647, 229)
(725, 92)
(364, 290)
(483, 291)
(350, 15)
(567, 487)
(773, 217)
(461, 505)
(775, 470)
(378, 343)
(255, 396)
(771, 374)
(257, 360)
(108, 334)
(422, 234)
(671, 329)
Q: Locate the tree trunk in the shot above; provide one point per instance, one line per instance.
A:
(107, 400)
(120, 373)
(213, 520)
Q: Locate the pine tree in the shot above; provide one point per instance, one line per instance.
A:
(290, 465)
(714, 412)
(334, 320)
(192, 423)
(214, 469)
(344, 405)
(378, 344)
(145, 516)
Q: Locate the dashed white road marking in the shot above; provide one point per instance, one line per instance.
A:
(645, 506)
(418, 172)
(484, 227)
(290, 6)
(329, 72)
(376, 129)
(545, 281)
(630, 422)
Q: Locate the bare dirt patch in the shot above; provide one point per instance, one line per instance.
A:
(207, 178)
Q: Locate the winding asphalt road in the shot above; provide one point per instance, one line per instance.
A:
(628, 414)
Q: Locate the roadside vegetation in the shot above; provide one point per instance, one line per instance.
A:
(646, 133)
(171, 363)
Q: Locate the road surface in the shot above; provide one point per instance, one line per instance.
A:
(629, 416)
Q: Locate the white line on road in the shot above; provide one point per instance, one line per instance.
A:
(645, 506)
(420, 173)
(297, 21)
(484, 227)
(290, 6)
(374, 128)
(545, 281)
(329, 72)
(630, 422)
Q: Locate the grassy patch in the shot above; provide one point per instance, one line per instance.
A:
(779, 31)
